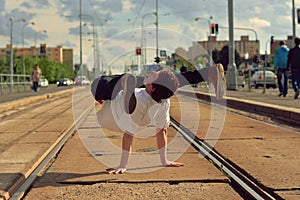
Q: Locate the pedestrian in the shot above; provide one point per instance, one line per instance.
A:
(280, 66)
(35, 76)
(175, 70)
(130, 109)
(294, 64)
(183, 68)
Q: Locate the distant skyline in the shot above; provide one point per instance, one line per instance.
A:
(115, 19)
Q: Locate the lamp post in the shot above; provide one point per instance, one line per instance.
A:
(80, 25)
(23, 50)
(265, 65)
(42, 31)
(94, 45)
(142, 34)
(293, 21)
(209, 34)
(156, 23)
(12, 21)
(232, 79)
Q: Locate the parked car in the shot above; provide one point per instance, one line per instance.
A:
(241, 78)
(257, 79)
(85, 81)
(64, 82)
(43, 82)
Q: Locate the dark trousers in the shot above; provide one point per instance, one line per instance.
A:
(296, 79)
(35, 86)
(283, 88)
(107, 87)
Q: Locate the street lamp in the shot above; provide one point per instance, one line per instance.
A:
(42, 31)
(95, 46)
(12, 21)
(142, 33)
(23, 52)
(209, 34)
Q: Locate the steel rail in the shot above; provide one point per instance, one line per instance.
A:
(18, 190)
(248, 186)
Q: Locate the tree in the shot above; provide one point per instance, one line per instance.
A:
(51, 70)
(223, 57)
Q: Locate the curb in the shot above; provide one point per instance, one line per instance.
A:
(275, 112)
(28, 100)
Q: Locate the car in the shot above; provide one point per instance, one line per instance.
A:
(241, 78)
(257, 79)
(43, 82)
(85, 81)
(64, 82)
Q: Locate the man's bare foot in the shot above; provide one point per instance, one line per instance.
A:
(116, 170)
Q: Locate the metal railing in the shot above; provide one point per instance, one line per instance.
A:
(19, 83)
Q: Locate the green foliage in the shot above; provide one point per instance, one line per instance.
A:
(50, 70)
(223, 57)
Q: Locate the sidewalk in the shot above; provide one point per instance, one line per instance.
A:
(9, 97)
(270, 96)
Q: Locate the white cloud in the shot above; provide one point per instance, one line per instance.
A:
(268, 17)
(127, 5)
(259, 23)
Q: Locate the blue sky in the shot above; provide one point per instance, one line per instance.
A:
(120, 21)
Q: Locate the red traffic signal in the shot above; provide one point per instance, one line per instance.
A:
(138, 51)
(212, 29)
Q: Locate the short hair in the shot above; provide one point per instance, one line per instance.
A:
(282, 43)
(297, 40)
(165, 85)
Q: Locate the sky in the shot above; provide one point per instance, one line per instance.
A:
(118, 23)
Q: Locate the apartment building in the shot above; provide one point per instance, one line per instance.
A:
(57, 54)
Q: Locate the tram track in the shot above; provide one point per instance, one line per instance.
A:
(242, 179)
(18, 190)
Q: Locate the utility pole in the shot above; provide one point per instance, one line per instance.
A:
(157, 29)
(293, 21)
(80, 39)
(231, 69)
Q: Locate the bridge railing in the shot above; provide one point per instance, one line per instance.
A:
(18, 83)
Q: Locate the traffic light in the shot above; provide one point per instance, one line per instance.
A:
(138, 51)
(272, 39)
(157, 60)
(255, 59)
(217, 29)
(212, 29)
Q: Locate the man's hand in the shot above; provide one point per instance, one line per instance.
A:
(117, 170)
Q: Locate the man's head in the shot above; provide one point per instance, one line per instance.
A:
(162, 84)
(297, 41)
(282, 43)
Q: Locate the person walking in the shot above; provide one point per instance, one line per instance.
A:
(183, 68)
(129, 109)
(294, 64)
(36, 74)
(280, 66)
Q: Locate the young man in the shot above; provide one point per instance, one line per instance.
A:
(130, 109)
(294, 64)
(280, 65)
